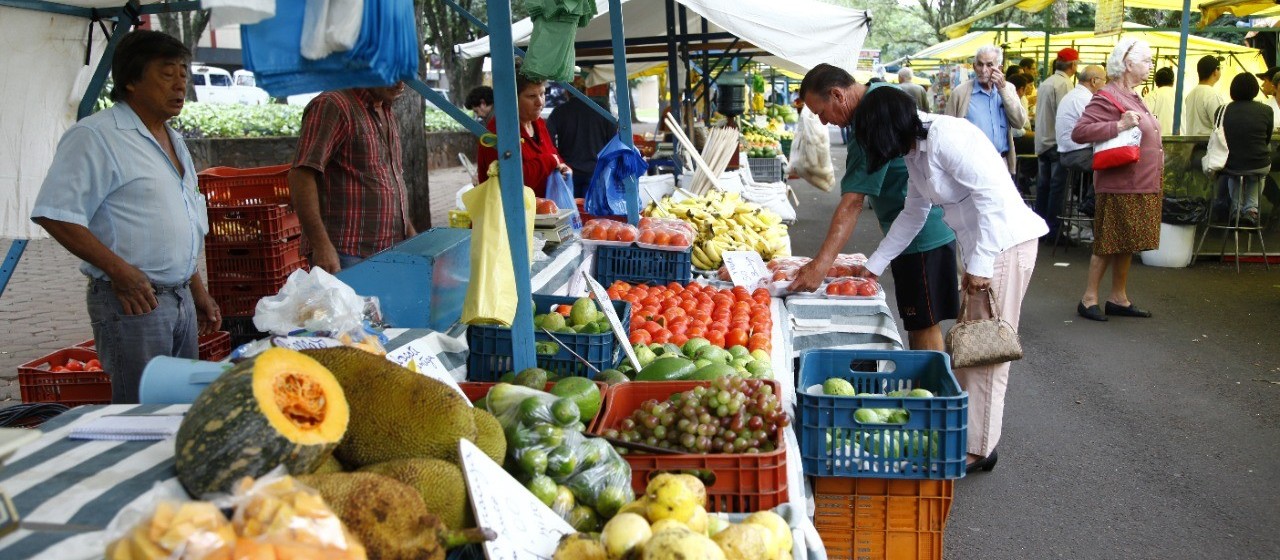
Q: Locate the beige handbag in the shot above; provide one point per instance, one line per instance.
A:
(982, 342)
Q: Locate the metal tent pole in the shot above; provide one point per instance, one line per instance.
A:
(1182, 64)
(624, 104)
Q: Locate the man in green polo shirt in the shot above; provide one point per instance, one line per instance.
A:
(925, 278)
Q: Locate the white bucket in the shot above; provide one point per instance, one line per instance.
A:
(1176, 245)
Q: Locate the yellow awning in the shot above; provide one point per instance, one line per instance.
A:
(1239, 8)
(1035, 6)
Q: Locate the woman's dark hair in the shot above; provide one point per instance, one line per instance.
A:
(523, 81)
(478, 95)
(1244, 87)
(1012, 71)
(1019, 81)
(1164, 77)
(823, 78)
(136, 50)
(887, 125)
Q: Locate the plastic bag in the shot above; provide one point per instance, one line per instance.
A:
(560, 465)
(277, 513)
(164, 524)
(315, 303)
(601, 231)
(561, 192)
(1184, 211)
(491, 294)
(607, 195)
(811, 152)
(773, 196)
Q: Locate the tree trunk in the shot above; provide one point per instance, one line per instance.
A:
(1060, 9)
(413, 143)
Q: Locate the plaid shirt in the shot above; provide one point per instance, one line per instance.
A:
(354, 143)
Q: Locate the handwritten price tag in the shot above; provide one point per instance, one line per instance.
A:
(305, 342)
(418, 356)
(525, 526)
(602, 300)
(746, 268)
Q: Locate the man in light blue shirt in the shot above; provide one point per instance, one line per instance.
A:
(121, 195)
(990, 103)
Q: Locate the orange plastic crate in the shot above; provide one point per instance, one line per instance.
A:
(254, 260)
(239, 298)
(213, 346)
(38, 384)
(881, 518)
(252, 223)
(476, 390)
(736, 482)
(230, 186)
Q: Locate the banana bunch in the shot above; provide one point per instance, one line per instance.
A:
(725, 222)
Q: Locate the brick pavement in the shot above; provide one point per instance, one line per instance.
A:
(43, 309)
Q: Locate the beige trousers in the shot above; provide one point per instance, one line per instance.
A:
(987, 384)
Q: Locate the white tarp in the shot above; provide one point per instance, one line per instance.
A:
(45, 76)
(801, 36)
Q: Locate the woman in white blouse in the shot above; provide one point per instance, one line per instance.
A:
(953, 165)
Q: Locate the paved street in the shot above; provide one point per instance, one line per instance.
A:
(1135, 438)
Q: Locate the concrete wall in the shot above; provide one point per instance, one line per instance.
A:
(443, 149)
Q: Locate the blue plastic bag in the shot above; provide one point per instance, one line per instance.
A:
(560, 192)
(607, 194)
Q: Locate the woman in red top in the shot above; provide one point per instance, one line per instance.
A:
(1127, 216)
(538, 155)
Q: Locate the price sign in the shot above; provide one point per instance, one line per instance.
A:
(624, 338)
(525, 527)
(420, 356)
(746, 268)
(304, 342)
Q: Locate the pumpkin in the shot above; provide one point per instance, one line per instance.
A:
(280, 408)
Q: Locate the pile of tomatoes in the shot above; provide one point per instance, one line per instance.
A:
(861, 287)
(601, 229)
(675, 313)
(77, 365)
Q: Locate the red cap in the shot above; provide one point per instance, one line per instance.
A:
(1069, 55)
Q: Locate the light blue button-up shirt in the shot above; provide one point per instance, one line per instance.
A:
(111, 176)
(986, 111)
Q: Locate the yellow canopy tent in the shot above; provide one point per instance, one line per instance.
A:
(961, 27)
(1239, 8)
(1019, 42)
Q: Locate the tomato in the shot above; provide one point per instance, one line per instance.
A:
(761, 292)
(833, 289)
(74, 365)
(678, 339)
(662, 336)
(739, 290)
(722, 300)
(640, 337)
(688, 305)
(624, 234)
(693, 287)
(679, 327)
(743, 306)
(759, 342)
(678, 240)
(867, 289)
(695, 331)
(57, 369)
(720, 315)
(653, 327)
(736, 337)
(646, 222)
(93, 365)
(705, 299)
(675, 286)
(716, 337)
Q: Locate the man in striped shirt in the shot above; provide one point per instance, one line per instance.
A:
(347, 181)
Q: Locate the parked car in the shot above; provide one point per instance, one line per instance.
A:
(215, 85)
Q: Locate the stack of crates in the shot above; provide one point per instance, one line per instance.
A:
(254, 241)
(882, 490)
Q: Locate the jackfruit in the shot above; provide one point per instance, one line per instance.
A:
(440, 484)
(329, 465)
(400, 414)
(489, 435)
(389, 517)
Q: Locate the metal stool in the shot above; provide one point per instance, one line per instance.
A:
(1071, 216)
(1233, 227)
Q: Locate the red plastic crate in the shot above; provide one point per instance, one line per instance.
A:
(476, 390)
(254, 260)
(230, 186)
(238, 297)
(252, 223)
(736, 482)
(215, 346)
(881, 518)
(38, 384)
(582, 211)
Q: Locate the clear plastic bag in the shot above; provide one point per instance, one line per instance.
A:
(541, 442)
(666, 234)
(276, 513)
(850, 288)
(560, 193)
(811, 152)
(601, 231)
(164, 525)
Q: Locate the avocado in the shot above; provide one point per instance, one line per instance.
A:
(667, 369)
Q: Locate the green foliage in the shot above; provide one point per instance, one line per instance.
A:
(219, 120)
(439, 121)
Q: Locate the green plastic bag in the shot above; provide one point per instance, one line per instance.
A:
(550, 55)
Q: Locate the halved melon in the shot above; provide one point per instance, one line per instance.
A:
(280, 408)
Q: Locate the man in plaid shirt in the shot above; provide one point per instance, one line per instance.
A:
(347, 181)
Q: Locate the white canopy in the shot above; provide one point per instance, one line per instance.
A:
(799, 37)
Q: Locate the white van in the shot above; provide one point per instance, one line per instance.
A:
(215, 85)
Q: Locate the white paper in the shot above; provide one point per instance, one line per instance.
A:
(129, 428)
(301, 343)
(525, 527)
(746, 268)
(419, 353)
(624, 338)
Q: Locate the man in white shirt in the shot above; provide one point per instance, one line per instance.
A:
(1074, 155)
(1052, 178)
(1160, 100)
(1270, 94)
(1200, 110)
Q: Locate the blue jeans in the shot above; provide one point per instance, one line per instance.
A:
(1051, 193)
(125, 343)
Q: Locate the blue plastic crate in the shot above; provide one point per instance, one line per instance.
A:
(944, 419)
(638, 264)
(490, 346)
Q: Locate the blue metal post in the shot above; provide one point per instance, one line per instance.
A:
(1182, 66)
(124, 24)
(437, 99)
(624, 103)
(511, 177)
(11, 262)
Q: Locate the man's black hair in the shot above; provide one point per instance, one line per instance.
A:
(135, 51)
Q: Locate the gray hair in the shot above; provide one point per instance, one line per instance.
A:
(905, 74)
(1117, 61)
(990, 49)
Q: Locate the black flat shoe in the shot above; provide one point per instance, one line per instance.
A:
(1122, 311)
(984, 464)
(1092, 313)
